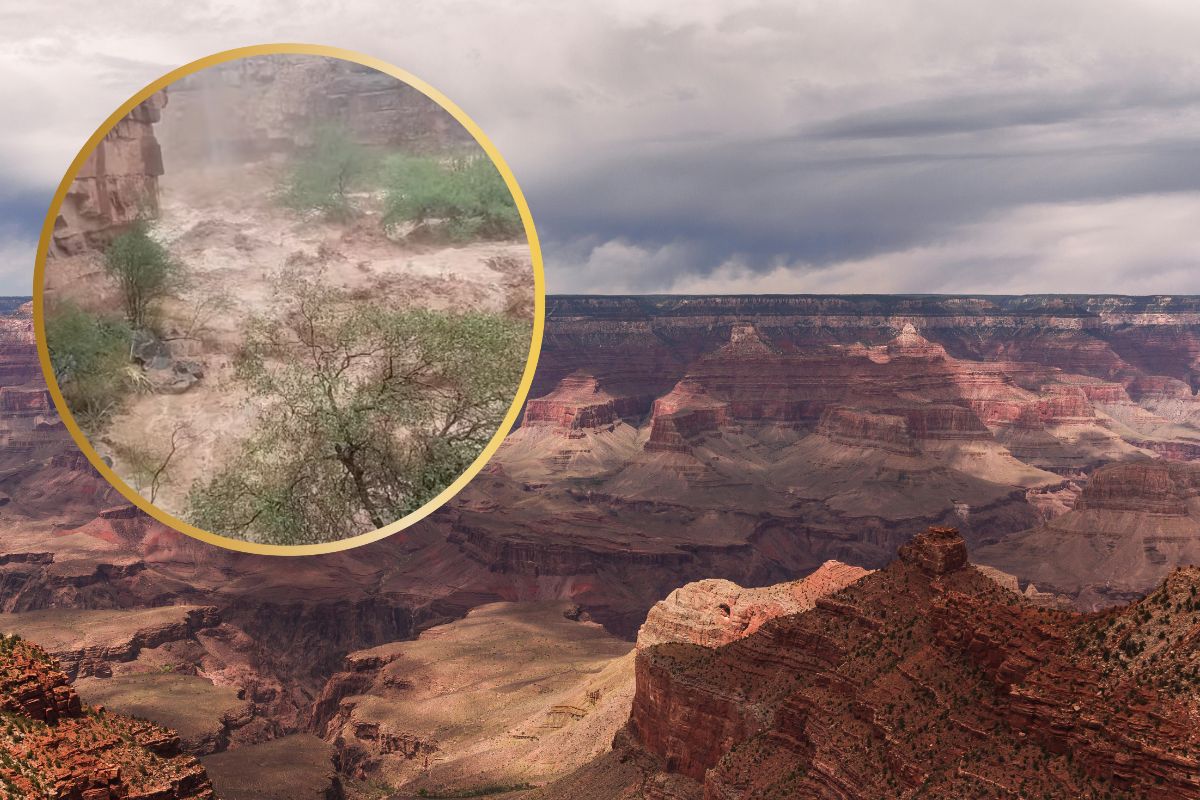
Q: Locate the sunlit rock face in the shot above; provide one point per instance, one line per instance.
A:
(116, 184)
(55, 746)
(926, 678)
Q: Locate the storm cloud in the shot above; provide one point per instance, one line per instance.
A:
(878, 145)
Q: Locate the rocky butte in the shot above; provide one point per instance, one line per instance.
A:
(923, 679)
(53, 746)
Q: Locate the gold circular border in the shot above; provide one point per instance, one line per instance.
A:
(535, 343)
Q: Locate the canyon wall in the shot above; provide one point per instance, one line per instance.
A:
(54, 746)
(654, 338)
(117, 183)
(252, 107)
(926, 679)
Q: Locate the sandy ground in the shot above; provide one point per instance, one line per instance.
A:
(295, 767)
(512, 694)
(234, 240)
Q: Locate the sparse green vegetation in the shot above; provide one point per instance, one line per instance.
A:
(369, 413)
(90, 355)
(144, 271)
(322, 178)
(467, 195)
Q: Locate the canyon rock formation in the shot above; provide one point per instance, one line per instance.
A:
(117, 183)
(926, 679)
(256, 106)
(54, 746)
(715, 612)
(516, 694)
(753, 438)
(1133, 523)
(248, 108)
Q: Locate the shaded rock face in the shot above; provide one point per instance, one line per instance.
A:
(918, 682)
(117, 183)
(55, 747)
(856, 427)
(685, 414)
(1131, 524)
(1168, 488)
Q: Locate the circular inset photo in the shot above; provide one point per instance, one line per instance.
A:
(289, 299)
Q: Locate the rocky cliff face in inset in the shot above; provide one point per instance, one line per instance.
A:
(117, 183)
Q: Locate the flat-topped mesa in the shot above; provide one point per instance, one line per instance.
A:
(25, 402)
(944, 421)
(1060, 403)
(1150, 486)
(859, 427)
(936, 551)
(911, 344)
(129, 526)
(576, 404)
(687, 412)
(715, 612)
(1105, 392)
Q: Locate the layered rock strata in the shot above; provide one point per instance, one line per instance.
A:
(1130, 526)
(927, 679)
(116, 184)
(715, 612)
(55, 747)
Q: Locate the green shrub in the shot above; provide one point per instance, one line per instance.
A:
(368, 412)
(89, 355)
(143, 269)
(322, 177)
(468, 194)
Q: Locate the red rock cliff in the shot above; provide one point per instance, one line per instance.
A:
(53, 747)
(118, 182)
(928, 679)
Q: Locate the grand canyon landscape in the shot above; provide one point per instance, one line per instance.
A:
(739, 546)
(860, 457)
(809, 546)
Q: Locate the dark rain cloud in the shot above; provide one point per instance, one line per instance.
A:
(770, 143)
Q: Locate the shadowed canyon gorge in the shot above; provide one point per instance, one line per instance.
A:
(733, 476)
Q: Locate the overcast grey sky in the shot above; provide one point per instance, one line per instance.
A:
(710, 146)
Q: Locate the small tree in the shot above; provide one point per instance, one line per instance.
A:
(89, 355)
(143, 269)
(322, 177)
(468, 195)
(369, 412)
